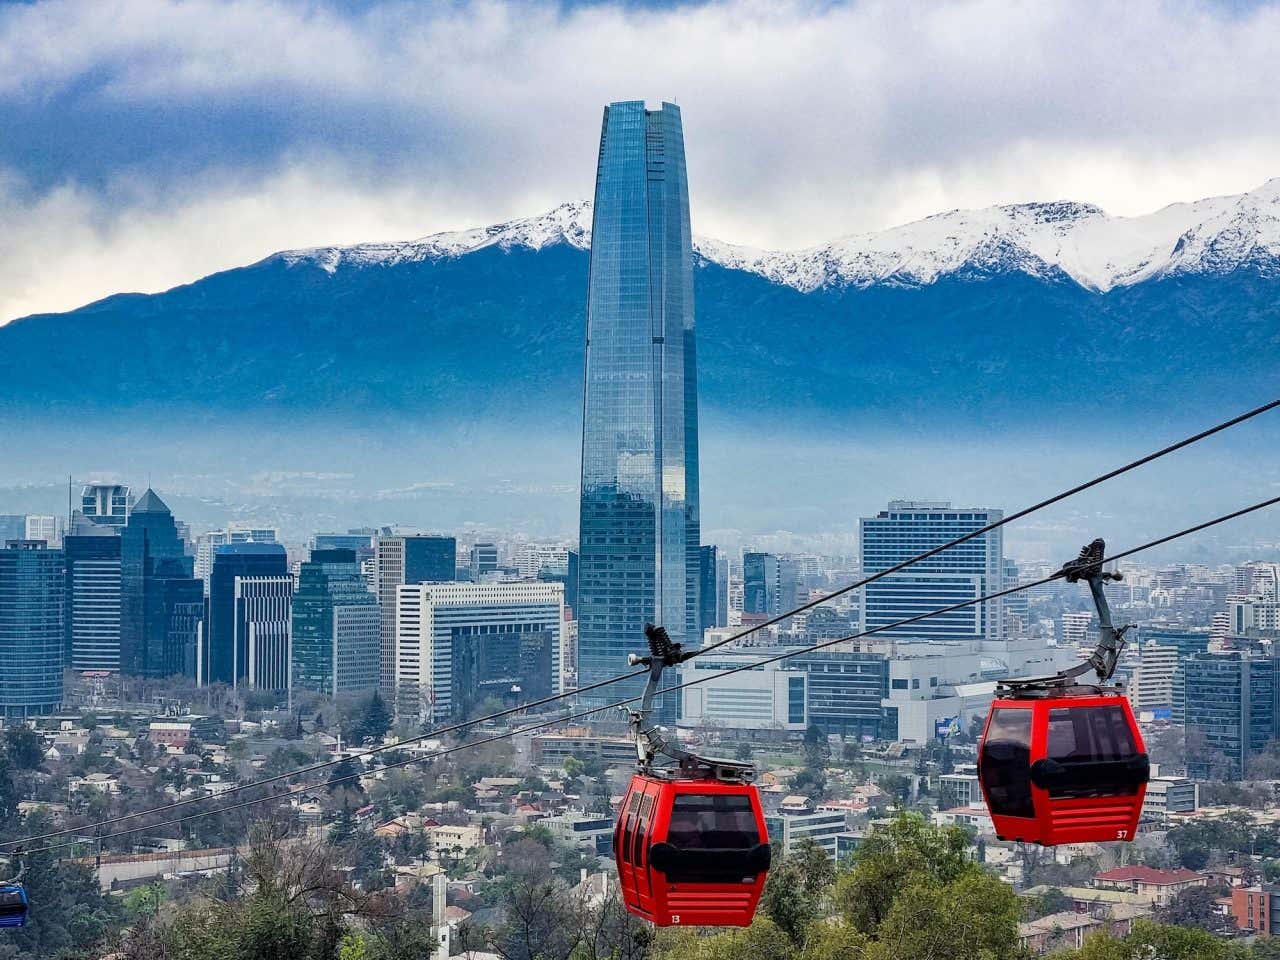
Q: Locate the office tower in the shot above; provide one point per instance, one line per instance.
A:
(104, 504)
(46, 528)
(759, 583)
(335, 626)
(531, 558)
(484, 559)
(161, 601)
(13, 527)
(208, 543)
(1187, 640)
(963, 572)
(407, 559)
(1076, 629)
(264, 632)
(93, 598)
(359, 541)
(770, 584)
(226, 658)
(1257, 579)
(458, 644)
(1151, 684)
(32, 582)
(1016, 605)
(713, 590)
(639, 521)
(1230, 699)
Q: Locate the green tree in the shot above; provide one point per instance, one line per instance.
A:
(760, 941)
(974, 917)
(24, 747)
(907, 851)
(743, 751)
(1195, 907)
(833, 939)
(795, 890)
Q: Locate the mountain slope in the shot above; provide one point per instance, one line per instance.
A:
(1045, 240)
(978, 318)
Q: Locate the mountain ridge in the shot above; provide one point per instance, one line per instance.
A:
(1046, 240)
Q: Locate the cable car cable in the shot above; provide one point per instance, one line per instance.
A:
(555, 721)
(808, 605)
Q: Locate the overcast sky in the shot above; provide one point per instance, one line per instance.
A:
(145, 143)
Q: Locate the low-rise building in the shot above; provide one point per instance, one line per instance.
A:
(553, 749)
(1166, 795)
(455, 839)
(1156, 886)
(593, 835)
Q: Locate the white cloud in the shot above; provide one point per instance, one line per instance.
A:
(803, 121)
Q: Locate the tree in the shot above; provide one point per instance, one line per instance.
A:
(974, 917)
(795, 889)
(1195, 907)
(24, 747)
(833, 940)
(760, 941)
(907, 851)
(743, 751)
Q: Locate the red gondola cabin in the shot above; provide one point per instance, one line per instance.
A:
(691, 852)
(1063, 768)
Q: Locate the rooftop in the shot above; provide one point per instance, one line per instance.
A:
(1140, 874)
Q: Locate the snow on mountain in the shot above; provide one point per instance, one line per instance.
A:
(1046, 240)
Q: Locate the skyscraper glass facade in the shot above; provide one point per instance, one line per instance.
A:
(335, 626)
(963, 572)
(1230, 700)
(161, 600)
(227, 657)
(639, 529)
(31, 630)
(93, 599)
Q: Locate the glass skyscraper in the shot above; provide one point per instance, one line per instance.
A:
(335, 626)
(227, 660)
(161, 601)
(31, 637)
(639, 527)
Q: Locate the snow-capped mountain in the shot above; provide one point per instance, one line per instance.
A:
(1044, 240)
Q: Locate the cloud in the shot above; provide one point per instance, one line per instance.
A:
(149, 142)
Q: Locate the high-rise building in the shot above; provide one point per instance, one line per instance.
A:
(44, 527)
(459, 643)
(93, 598)
(161, 601)
(31, 628)
(1187, 640)
(13, 526)
(356, 540)
(963, 572)
(1017, 606)
(639, 520)
(770, 584)
(1151, 685)
(226, 658)
(263, 640)
(208, 543)
(401, 560)
(1230, 699)
(336, 626)
(106, 504)
(713, 590)
(1076, 628)
(484, 560)
(759, 583)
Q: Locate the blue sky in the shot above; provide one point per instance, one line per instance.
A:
(146, 143)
